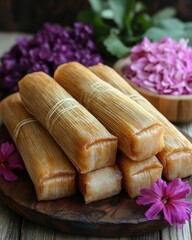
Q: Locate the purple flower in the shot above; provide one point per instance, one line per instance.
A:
(163, 67)
(9, 160)
(171, 199)
(50, 47)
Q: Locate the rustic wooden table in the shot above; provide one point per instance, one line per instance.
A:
(14, 227)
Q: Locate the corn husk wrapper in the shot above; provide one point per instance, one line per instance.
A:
(100, 184)
(81, 136)
(49, 168)
(176, 156)
(139, 134)
(138, 175)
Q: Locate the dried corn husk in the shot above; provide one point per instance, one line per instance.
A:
(100, 184)
(138, 175)
(81, 136)
(176, 156)
(49, 168)
(139, 135)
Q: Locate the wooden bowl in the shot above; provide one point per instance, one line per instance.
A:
(174, 108)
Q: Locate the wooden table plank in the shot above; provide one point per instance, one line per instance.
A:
(32, 230)
(10, 224)
(149, 236)
(176, 233)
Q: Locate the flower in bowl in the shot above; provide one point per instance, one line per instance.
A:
(162, 72)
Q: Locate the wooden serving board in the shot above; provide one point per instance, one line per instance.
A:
(118, 216)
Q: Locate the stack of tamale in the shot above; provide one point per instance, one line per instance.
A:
(55, 133)
(86, 142)
(140, 135)
(176, 156)
(49, 168)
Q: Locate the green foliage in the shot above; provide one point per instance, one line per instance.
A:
(115, 46)
(165, 13)
(120, 24)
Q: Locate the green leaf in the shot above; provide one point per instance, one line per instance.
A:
(121, 9)
(115, 46)
(190, 41)
(140, 7)
(118, 11)
(107, 14)
(100, 27)
(188, 25)
(97, 5)
(163, 14)
(188, 35)
(171, 24)
(156, 34)
(144, 21)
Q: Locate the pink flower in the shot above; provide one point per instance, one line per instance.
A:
(167, 198)
(163, 67)
(9, 160)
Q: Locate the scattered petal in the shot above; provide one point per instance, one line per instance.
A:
(168, 64)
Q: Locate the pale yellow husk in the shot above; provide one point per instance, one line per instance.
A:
(81, 136)
(100, 184)
(176, 156)
(138, 175)
(49, 168)
(139, 135)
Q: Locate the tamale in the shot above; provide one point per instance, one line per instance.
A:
(100, 184)
(138, 175)
(50, 170)
(176, 156)
(139, 135)
(86, 142)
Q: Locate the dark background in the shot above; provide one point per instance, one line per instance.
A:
(29, 15)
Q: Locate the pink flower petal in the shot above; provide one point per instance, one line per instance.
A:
(169, 198)
(1, 158)
(148, 196)
(8, 174)
(149, 67)
(154, 210)
(160, 187)
(7, 149)
(152, 58)
(1, 169)
(178, 189)
(15, 161)
(183, 209)
(177, 212)
(167, 211)
(9, 160)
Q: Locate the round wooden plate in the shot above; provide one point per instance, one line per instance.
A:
(118, 216)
